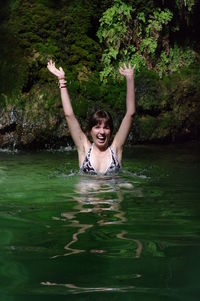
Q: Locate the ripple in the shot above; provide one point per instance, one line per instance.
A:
(72, 288)
(128, 277)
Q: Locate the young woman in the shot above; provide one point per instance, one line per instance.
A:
(98, 157)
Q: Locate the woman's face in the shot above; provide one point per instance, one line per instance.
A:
(100, 134)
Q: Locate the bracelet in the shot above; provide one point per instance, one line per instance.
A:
(62, 83)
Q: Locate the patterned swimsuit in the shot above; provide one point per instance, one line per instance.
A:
(87, 167)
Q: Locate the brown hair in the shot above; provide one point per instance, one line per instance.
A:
(97, 118)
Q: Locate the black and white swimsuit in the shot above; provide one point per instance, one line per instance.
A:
(87, 167)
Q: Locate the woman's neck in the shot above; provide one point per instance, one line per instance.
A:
(99, 149)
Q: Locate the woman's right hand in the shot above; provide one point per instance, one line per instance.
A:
(57, 72)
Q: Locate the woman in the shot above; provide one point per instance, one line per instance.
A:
(98, 157)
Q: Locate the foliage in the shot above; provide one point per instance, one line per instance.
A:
(126, 44)
(154, 25)
(46, 29)
(113, 30)
(141, 38)
(187, 3)
(161, 37)
(176, 58)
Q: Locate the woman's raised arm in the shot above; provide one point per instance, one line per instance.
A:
(124, 129)
(76, 132)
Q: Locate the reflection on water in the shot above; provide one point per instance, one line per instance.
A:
(136, 236)
(97, 195)
(77, 290)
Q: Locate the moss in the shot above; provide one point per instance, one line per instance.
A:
(150, 92)
(80, 106)
(36, 31)
(147, 126)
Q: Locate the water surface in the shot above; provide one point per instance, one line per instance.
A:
(135, 236)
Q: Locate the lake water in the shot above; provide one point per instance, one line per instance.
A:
(133, 237)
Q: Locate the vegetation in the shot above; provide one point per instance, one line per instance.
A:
(143, 38)
(89, 39)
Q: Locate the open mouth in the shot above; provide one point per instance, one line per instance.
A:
(101, 139)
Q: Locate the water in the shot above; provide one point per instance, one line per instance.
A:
(135, 236)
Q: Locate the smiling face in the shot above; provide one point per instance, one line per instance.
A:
(100, 134)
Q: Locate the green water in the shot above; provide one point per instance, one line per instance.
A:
(136, 236)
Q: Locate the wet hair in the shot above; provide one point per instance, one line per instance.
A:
(97, 118)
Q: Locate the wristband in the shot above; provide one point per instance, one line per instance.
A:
(62, 83)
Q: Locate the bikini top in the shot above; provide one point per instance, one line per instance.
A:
(87, 167)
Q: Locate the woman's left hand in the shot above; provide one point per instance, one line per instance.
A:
(127, 72)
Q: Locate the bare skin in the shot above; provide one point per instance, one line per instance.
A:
(100, 134)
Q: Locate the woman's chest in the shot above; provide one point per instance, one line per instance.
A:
(102, 162)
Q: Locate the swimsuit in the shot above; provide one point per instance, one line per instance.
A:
(112, 168)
